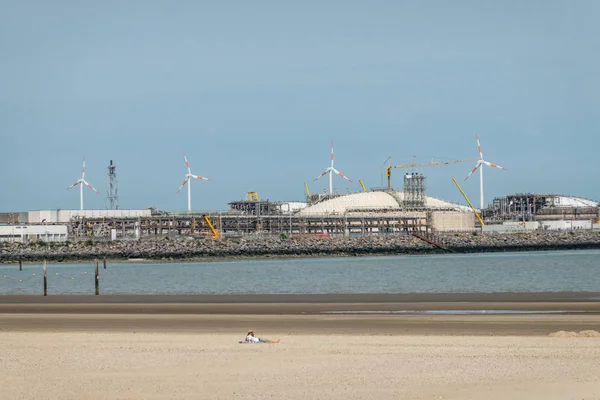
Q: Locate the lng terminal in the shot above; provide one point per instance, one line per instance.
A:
(386, 212)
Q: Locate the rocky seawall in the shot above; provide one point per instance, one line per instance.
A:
(208, 249)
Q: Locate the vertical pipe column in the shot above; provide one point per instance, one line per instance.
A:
(96, 279)
(45, 280)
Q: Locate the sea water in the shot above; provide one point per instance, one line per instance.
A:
(571, 271)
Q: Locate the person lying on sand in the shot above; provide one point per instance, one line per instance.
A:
(250, 338)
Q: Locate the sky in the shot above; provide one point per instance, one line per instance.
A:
(254, 92)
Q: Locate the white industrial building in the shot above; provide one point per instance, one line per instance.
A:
(290, 207)
(23, 233)
(551, 225)
(66, 216)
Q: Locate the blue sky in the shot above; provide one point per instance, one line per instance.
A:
(254, 92)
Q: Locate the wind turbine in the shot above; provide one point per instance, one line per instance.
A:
(330, 170)
(480, 166)
(81, 181)
(187, 178)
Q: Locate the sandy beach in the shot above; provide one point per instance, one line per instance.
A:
(128, 365)
(132, 347)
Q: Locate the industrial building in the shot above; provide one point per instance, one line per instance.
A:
(376, 211)
(433, 214)
(538, 207)
(383, 210)
(24, 233)
(67, 216)
(380, 211)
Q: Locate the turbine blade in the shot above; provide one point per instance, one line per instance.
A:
(342, 175)
(73, 185)
(479, 147)
(474, 169)
(332, 156)
(182, 185)
(324, 172)
(187, 164)
(202, 178)
(489, 164)
(83, 168)
(91, 187)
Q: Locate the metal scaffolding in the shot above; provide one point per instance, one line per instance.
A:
(414, 190)
(534, 206)
(239, 225)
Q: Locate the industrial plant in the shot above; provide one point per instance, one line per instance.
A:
(374, 211)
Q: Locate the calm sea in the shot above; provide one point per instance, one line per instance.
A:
(493, 272)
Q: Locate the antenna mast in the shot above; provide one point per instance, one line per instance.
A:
(112, 188)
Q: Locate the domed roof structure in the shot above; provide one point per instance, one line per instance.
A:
(569, 201)
(373, 201)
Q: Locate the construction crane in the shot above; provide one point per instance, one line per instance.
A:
(388, 168)
(362, 185)
(215, 233)
(471, 205)
(307, 193)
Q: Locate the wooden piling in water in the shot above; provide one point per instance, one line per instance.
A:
(45, 280)
(104, 262)
(96, 279)
(20, 265)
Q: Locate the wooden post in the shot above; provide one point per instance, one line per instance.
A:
(104, 262)
(45, 281)
(20, 265)
(96, 280)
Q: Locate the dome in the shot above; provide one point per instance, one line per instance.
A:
(372, 201)
(567, 201)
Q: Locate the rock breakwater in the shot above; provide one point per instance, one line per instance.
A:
(162, 249)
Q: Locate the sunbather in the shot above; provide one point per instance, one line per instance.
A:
(253, 339)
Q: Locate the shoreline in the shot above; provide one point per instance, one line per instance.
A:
(165, 258)
(408, 298)
(296, 325)
(521, 314)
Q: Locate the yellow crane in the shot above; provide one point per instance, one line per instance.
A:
(362, 185)
(216, 234)
(388, 168)
(307, 193)
(251, 196)
(467, 199)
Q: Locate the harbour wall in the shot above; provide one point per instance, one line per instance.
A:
(270, 247)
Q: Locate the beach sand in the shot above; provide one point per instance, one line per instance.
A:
(77, 355)
(128, 365)
(153, 347)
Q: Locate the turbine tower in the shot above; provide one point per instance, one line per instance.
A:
(479, 165)
(330, 170)
(112, 188)
(80, 182)
(187, 178)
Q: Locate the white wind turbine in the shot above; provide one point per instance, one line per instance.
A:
(479, 165)
(80, 182)
(187, 178)
(330, 170)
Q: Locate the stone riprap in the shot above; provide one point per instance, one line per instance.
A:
(237, 248)
(531, 241)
